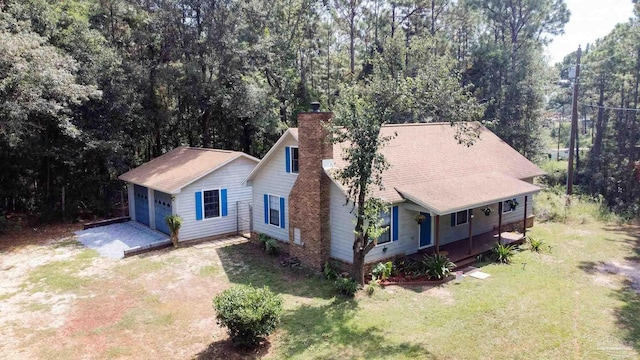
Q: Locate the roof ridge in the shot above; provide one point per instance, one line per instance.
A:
(420, 124)
(210, 149)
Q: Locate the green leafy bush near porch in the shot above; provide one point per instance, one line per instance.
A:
(503, 253)
(437, 266)
(535, 244)
(249, 313)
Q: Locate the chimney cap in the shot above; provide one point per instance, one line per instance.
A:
(315, 106)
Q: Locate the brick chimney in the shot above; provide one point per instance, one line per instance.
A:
(309, 232)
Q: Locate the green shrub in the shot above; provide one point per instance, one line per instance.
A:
(347, 286)
(271, 247)
(535, 244)
(503, 253)
(437, 266)
(382, 271)
(263, 238)
(371, 287)
(174, 223)
(330, 272)
(249, 314)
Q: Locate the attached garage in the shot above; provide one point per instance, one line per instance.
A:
(141, 194)
(162, 208)
(203, 186)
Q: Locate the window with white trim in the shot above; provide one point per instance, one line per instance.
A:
(461, 217)
(386, 226)
(509, 205)
(274, 210)
(294, 160)
(211, 203)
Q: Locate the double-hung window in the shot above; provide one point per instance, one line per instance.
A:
(509, 205)
(274, 210)
(211, 201)
(294, 160)
(461, 217)
(291, 159)
(386, 226)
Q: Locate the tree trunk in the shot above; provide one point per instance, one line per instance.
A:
(357, 272)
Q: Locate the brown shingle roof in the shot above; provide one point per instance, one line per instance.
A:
(471, 191)
(180, 167)
(427, 156)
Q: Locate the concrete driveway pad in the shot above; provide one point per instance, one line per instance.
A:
(112, 240)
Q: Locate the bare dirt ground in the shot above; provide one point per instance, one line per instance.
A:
(59, 300)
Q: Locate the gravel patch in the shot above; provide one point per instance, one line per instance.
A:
(112, 240)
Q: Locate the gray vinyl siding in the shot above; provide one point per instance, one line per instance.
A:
(342, 225)
(481, 222)
(273, 179)
(407, 242)
(228, 177)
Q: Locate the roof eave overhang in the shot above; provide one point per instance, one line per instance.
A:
(444, 211)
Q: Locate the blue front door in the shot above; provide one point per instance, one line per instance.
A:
(142, 204)
(425, 231)
(162, 207)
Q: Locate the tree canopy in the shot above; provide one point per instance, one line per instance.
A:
(91, 88)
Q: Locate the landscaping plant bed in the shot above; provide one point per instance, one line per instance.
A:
(410, 280)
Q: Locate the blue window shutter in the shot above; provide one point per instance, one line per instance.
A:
(266, 208)
(282, 212)
(198, 205)
(453, 219)
(223, 200)
(287, 156)
(394, 223)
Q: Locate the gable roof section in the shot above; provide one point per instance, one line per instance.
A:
(180, 167)
(293, 132)
(426, 157)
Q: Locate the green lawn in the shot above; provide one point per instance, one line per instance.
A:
(553, 305)
(572, 301)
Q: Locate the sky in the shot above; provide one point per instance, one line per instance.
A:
(590, 20)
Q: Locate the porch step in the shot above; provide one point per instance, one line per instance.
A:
(460, 264)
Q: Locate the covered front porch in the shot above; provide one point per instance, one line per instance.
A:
(467, 217)
(463, 252)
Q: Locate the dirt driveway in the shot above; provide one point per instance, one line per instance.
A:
(60, 300)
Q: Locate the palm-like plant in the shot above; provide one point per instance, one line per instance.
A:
(437, 266)
(174, 222)
(503, 253)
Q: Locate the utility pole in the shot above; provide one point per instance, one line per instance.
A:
(559, 128)
(574, 124)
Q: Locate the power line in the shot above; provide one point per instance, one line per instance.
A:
(608, 107)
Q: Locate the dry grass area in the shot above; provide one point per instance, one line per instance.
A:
(59, 300)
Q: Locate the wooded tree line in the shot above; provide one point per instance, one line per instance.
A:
(609, 97)
(90, 88)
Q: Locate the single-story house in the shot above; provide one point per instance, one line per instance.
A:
(441, 193)
(202, 186)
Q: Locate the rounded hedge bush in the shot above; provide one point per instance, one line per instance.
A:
(249, 313)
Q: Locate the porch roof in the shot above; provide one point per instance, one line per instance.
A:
(445, 196)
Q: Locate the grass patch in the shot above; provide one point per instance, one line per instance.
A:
(70, 242)
(133, 268)
(144, 318)
(7, 296)
(554, 205)
(60, 276)
(117, 351)
(210, 270)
